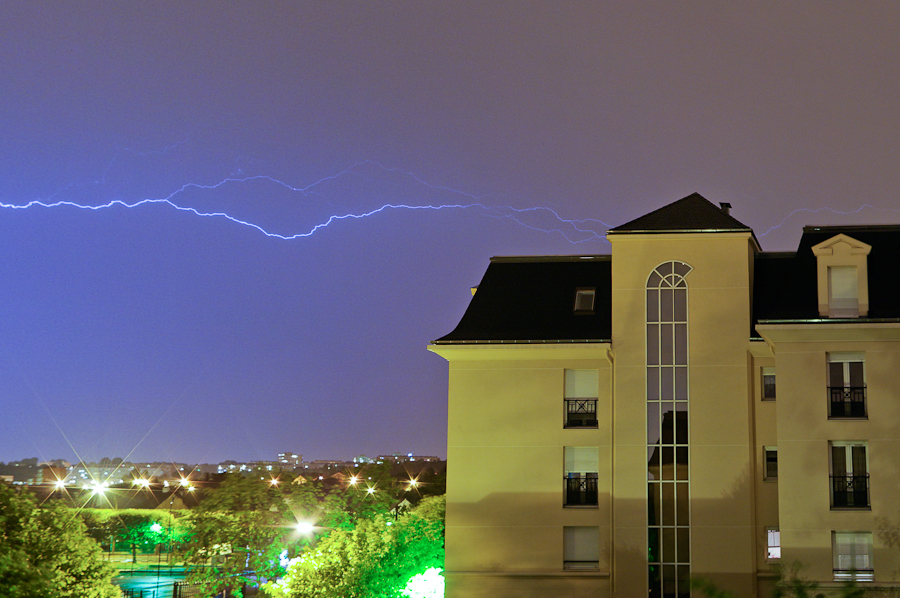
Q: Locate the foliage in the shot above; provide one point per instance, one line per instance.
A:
(47, 553)
(241, 528)
(425, 585)
(789, 585)
(139, 529)
(375, 558)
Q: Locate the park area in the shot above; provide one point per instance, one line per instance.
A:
(244, 538)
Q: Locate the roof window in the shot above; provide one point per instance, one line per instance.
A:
(584, 300)
(843, 279)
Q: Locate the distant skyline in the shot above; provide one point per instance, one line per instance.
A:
(314, 188)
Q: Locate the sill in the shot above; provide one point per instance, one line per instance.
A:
(851, 418)
(868, 508)
(581, 427)
(770, 480)
(581, 506)
(768, 399)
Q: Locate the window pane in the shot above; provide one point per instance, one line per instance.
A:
(666, 305)
(681, 306)
(835, 374)
(668, 545)
(652, 344)
(857, 376)
(654, 505)
(666, 383)
(668, 423)
(652, 384)
(842, 286)
(653, 432)
(681, 269)
(682, 504)
(653, 306)
(581, 543)
(683, 537)
(858, 454)
(839, 460)
(666, 350)
(681, 385)
(582, 383)
(680, 344)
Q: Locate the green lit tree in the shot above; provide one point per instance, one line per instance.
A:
(377, 557)
(46, 552)
(240, 530)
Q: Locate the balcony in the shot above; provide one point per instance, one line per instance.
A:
(850, 491)
(847, 402)
(581, 413)
(581, 490)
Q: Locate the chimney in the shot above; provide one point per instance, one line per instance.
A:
(725, 207)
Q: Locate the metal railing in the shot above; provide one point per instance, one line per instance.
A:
(581, 413)
(581, 491)
(847, 401)
(850, 491)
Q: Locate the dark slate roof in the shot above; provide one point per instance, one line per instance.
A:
(784, 286)
(694, 213)
(533, 299)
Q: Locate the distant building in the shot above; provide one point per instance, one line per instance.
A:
(687, 406)
(291, 459)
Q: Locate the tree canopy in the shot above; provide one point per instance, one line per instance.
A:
(46, 552)
(377, 557)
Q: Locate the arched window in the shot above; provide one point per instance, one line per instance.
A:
(668, 486)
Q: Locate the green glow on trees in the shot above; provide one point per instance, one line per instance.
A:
(425, 585)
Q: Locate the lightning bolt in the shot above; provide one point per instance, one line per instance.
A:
(824, 209)
(573, 230)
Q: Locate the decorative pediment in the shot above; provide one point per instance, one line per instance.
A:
(841, 245)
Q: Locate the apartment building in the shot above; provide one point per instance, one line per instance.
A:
(687, 406)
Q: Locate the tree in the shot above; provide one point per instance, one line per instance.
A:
(47, 553)
(375, 558)
(242, 526)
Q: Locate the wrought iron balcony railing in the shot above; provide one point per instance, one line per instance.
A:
(847, 401)
(581, 489)
(581, 413)
(850, 491)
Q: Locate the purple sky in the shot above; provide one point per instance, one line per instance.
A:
(156, 333)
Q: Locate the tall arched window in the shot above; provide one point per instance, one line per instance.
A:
(668, 486)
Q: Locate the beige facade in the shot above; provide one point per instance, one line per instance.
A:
(691, 424)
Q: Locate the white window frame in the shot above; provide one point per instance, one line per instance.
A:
(773, 544)
(581, 548)
(853, 556)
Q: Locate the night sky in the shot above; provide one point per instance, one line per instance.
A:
(157, 332)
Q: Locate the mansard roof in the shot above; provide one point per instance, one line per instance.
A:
(532, 300)
(693, 213)
(784, 285)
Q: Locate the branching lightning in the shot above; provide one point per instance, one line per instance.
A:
(573, 230)
(819, 210)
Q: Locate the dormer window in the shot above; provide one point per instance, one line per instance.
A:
(842, 273)
(584, 300)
